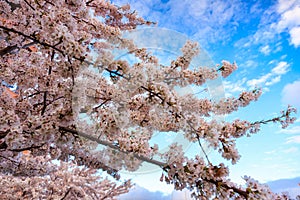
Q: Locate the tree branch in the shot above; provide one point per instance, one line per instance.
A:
(44, 103)
(27, 148)
(108, 144)
(32, 38)
(29, 5)
(8, 49)
(224, 185)
(151, 161)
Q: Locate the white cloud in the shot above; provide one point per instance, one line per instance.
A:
(281, 68)
(289, 19)
(197, 9)
(264, 81)
(273, 81)
(244, 43)
(271, 152)
(206, 20)
(141, 193)
(152, 184)
(265, 49)
(250, 63)
(291, 130)
(291, 94)
(291, 150)
(278, 47)
(295, 36)
(272, 77)
(232, 87)
(283, 57)
(284, 17)
(179, 195)
(260, 81)
(272, 62)
(284, 5)
(293, 139)
(256, 9)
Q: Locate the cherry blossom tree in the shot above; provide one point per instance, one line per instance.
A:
(46, 151)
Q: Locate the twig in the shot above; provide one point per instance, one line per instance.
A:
(199, 142)
(29, 5)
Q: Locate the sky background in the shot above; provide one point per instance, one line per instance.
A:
(263, 38)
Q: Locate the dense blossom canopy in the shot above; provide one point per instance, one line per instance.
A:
(46, 151)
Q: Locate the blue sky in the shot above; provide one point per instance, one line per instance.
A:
(263, 38)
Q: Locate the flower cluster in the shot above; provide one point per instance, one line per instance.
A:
(66, 181)
(98, 112)
(227, 68)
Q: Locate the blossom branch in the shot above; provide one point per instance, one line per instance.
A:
(285, 119)
(113, 146)
(164, 166)
(32, 38)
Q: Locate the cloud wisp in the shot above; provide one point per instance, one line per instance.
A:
(291, 94)
(269, 79)
(282, 17)
(291, 130)
(206, 21)
(293, 139)
(289, 20)
(266, 50)
(264, 81)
